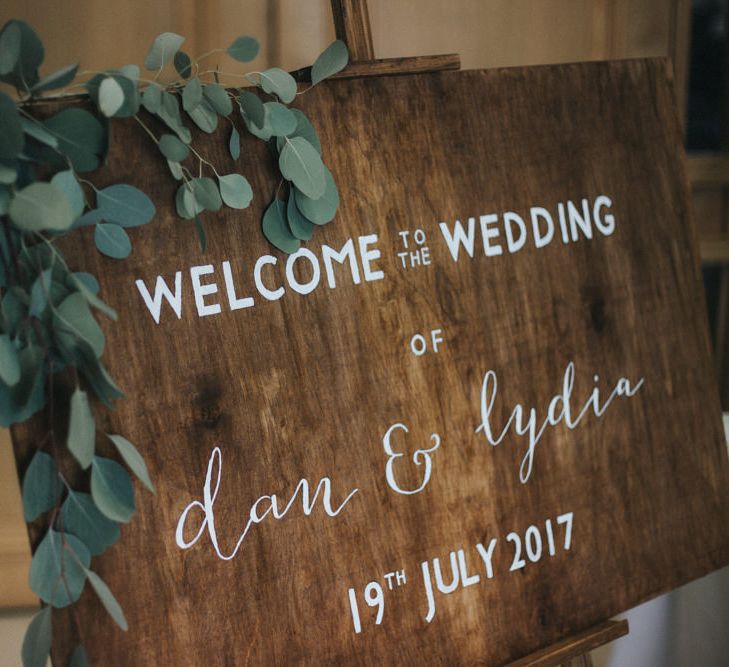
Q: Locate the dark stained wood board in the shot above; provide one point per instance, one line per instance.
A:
(306, 386)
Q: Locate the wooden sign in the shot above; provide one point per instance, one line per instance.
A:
(474, 415)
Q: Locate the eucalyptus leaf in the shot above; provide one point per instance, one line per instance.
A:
(235, 191)
(173, 149)
(37, 640)
(322, 210)
(85, 279)
(276, 230)
(91, 217)
(277, 82)
(86, 289)
(40, 206)
(79, 657)
(107, 599)
(252, 107)
(169, 113)
(9, 361)
(243, 49)
(192, 94)
(206, 193)
(301, 164)
(11, 131)
(38, 293)
(24, 74)
(111, 96)
(234, 144)
(125, 205)
(131, 72)
(300, 227)
(305, 129)
(56, 80)
(186, 204)
(37, 130)
(8, 174)
(132, 458)
(67, 183)
(201, 236)
(204, 116)
(111, 240)
(24, 399)
(332, 60)
(163, 49)
(183, 64)
(152, 98)
(58, 569)
(81, 429)
(111, 489)
(218, 98)
(176, 170)
(9, 47)
(82, 518)
(73, 320)
(280, 119)
(41, 486)
(81, 137)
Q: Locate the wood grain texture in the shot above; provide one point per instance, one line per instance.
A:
(306, 386)
(352, 26)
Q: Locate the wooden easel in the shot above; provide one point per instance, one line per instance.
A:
(352, 26)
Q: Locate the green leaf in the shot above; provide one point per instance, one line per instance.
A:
(111, 240)
(86, 280)
(176, 170)
(81, 137)
(152, 98)
(235, 190)
(133, 459)
(36, 130)
(41, 486)
(40, 206)
(9, 47)
(192, 94)
(243, 49)
(82, 283)
(218, 98)
(206, 193)
(201, 236)
(277, 82)
(24, 74)
(300, 163)
(332, 60)
(172, 148)
(300, 227)
(67, 183)
(81, 429)
(322, 210)
(183, 64)
(107, 599)
(234, 144)
(276, 230)
(79, 658)
(11, 131)
(37, 640)
(131, 72)
(204, 116)
(111, 96)
(82, 518)
(73, 320)
(8, 176)
(56, 80)
(252, 108)
(186, 204)
(162, 50)
(280, 119)
(125, 205)
(28, 395)
(59, 555)
(9, 361)
(38, 293)
(169, 113)
(111, 489)
(305, 129)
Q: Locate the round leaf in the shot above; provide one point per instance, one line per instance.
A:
(81, 137)
(235, 191)
(152, 98)
(41, 486)
(81, 429)
(277, 82)
(243, 49)
(252, 107)
(37, 641)
(83, 519)
(111, 96)
(111, 489)
(66, 182)
(9, 361)
(192, 94)
(112, 241)
(301, 164)
(206, 193)
(9, 47)
(204, 116)
(305, 129)
(125, 205)
(41, 206)
(162, 50)
(218, 98)
(300, 227)
(172, 148)
(276, 230)
(73, 320)
(186, 204)
(11, 131)
(333, 59)
(280, 119)
(322, 210)
(183, 64)
(25, 72)
(52, 560)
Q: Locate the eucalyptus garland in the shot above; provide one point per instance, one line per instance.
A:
(49, 335)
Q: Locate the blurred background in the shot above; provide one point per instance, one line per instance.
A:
(684, 628)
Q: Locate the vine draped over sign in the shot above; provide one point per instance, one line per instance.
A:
(48, 329)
